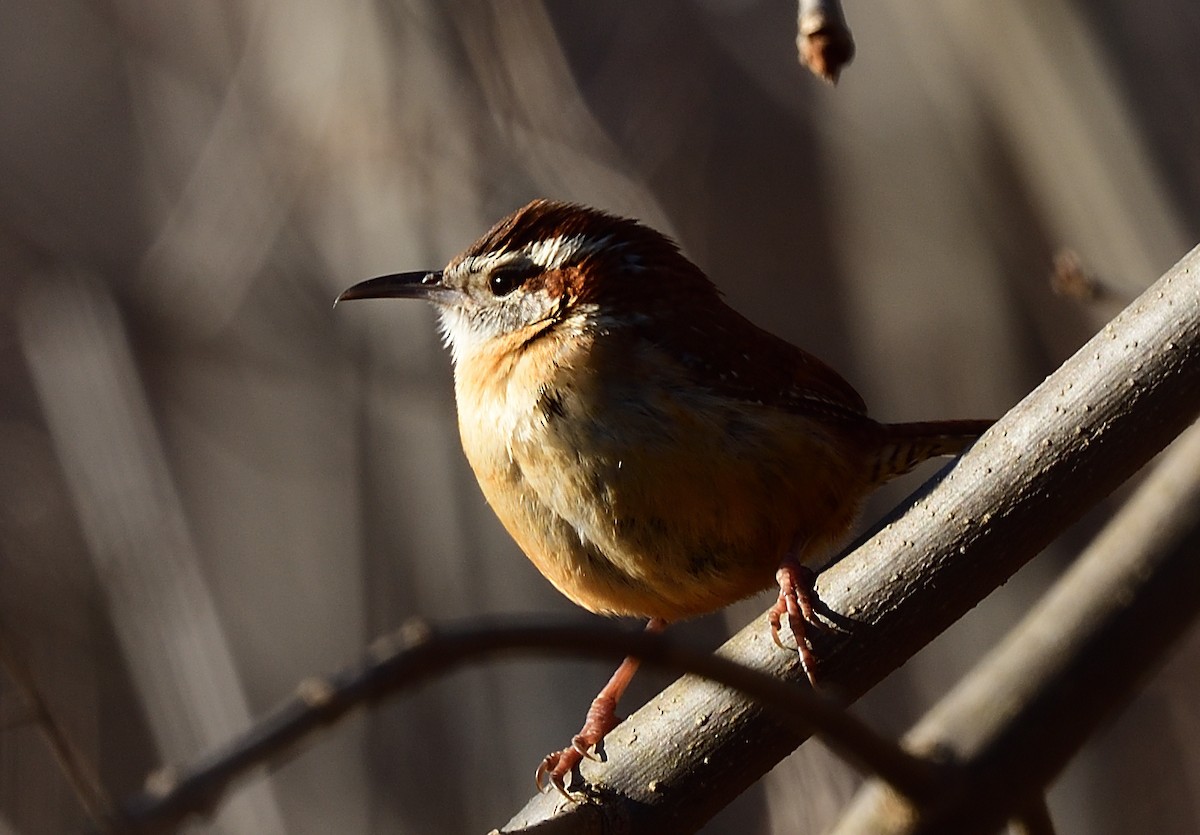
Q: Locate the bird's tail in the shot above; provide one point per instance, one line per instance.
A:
(906, 445)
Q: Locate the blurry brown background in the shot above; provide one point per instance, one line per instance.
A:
(212, 484)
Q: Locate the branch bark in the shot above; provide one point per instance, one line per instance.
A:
(1092, 424)
(1012, 724)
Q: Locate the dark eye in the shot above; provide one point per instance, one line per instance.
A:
(506, 279)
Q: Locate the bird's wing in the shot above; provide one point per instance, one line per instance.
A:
(734, 357)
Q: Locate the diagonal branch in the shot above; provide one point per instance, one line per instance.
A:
(1011, 725)
(1091, 425)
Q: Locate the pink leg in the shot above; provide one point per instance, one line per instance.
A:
(601, 718)
(795, 600)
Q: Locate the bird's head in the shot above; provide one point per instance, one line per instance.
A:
(547, 265)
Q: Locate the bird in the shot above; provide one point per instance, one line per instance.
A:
(650, 450)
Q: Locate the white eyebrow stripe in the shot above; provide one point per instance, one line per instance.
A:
(555, 253)
(548, 253)
(483, 263)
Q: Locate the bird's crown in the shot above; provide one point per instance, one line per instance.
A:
(573, 249)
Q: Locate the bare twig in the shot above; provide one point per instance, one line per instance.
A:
(74, 764)
(823, 38)
(418, 653)
(1086, 429)
(1014, 722)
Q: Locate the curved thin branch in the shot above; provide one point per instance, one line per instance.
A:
(1092, 424)
(419, 652)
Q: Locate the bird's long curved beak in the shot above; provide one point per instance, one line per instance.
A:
(415, 285)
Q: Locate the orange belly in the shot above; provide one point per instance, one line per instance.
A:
(639, 498)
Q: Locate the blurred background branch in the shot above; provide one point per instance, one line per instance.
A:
(133, 521)
(78, 771)
(205, 177)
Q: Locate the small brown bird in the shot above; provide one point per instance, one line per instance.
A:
(652, 452)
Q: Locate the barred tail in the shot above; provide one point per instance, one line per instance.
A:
(906, 445)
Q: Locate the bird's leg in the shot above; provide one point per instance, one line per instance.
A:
(795, 600)
(601, 718)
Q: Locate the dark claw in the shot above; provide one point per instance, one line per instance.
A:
(584, 748)
(775, 626)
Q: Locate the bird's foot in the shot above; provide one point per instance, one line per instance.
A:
(601, 718)
(796, 594)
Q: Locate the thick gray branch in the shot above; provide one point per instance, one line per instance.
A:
(1087, 428)
(1014, 722)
